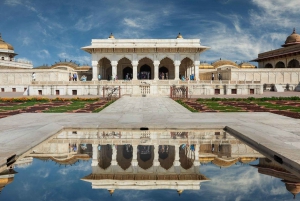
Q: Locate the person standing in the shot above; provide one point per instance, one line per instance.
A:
(33, 76)
(99, 77)
(219, 76)
(212, 76)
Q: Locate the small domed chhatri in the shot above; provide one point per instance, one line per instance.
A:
(179, 36)
(111, 36)
(4, 45)
(292, 39)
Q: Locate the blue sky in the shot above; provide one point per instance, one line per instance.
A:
(44, 31)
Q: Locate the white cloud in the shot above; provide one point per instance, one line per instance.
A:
(26, 41)
(278, 13)
(43, 54)
(43, 172)
(131, 23)
(13, 2)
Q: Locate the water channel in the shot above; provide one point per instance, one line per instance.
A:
(93, 164)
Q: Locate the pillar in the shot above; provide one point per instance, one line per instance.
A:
(176, 161)
(197, 63)
(134, 70)
(156, 69)
(114, 69)
(95, 155)
(134, 162)
(114, 155)
(156, 156)
(176, 71)
(95, 70)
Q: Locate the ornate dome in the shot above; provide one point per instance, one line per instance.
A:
(4, 45)
(292, 39)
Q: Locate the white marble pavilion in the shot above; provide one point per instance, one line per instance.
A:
(145, 58)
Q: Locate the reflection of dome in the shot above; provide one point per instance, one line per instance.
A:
(224, 162)
(4, 45)
(247, 159)
(179, 36)
(179, 192)
(292, 39)
(294, 188)
(206, 159)
(111, 192)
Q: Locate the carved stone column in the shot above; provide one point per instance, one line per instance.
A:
(134, 70)
(95, 155)
(114, 69)
(95, 70)
(134, 162)
(156, 69)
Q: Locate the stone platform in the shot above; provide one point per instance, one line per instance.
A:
(269, 133)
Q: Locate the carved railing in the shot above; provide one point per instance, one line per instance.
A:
(111, 92)
(179, 92)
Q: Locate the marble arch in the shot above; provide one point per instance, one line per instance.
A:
(294, 63)
(187, 67)
(167, 63)
(280, 64)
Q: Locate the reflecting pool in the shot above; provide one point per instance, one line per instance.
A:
(91, 164)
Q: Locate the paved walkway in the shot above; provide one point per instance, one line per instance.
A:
(142, 105)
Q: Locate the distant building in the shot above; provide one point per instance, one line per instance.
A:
(286, 57)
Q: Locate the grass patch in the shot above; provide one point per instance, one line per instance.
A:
(186, 106)
(17, 107)
(212, 105)
(101, 108)
(66, 108)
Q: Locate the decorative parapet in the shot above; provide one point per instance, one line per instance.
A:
(16, 64)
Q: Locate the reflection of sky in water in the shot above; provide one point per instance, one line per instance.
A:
(49, 181)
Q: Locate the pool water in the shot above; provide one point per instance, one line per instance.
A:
(144, 165)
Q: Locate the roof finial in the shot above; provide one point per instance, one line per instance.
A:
(179, 36)
(111, 36)
(294, 30)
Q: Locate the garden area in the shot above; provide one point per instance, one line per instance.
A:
(13, 106)
(286, 106)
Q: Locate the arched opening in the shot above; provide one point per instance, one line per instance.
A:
(280, 64)
(163, 73)
(104, 156)
(124, 69)
(186, 69)
(145, 156)
(124, 156)
(145, 72)
(167, 67)
(268, 65)
(166, 155)
(186, 156)
(145, 69)
(86, 149)
(127, 73)
(293, 64)
(105, 69)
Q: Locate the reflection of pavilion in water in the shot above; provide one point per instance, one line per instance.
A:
(167, 159)
(144, 167)
(271, 168)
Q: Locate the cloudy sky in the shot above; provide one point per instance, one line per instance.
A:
(44, 31)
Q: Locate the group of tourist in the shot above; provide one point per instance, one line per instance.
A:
(163, 76)
(213, 76)
(183, 78)
(72, 77)
(72, 147)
